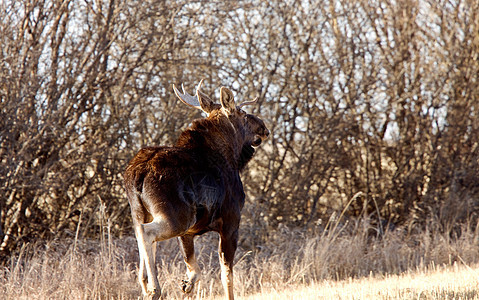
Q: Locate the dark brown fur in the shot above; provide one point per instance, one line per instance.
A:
(194, 187)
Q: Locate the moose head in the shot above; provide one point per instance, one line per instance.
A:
(248, 130)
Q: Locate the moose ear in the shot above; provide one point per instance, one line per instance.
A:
(207, 105)
(227, 100)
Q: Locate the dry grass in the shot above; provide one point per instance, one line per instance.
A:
(343, 263)
(456, 282)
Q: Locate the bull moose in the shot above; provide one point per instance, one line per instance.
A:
(193, 187)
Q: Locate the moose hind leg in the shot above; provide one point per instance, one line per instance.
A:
(227, 249)
(188, 249)
(147, 275)
(142, 276)
(148, 234)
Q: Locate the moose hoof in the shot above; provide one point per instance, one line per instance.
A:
(152, 295)
(187, 286)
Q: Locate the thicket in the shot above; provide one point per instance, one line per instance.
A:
(372, 105)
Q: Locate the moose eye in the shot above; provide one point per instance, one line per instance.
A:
(257, 142)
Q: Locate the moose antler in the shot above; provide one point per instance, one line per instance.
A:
(248, 102)
(187, 98)
(193, 101)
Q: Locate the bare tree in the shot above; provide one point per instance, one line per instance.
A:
(370, 96)
(360, 98)
(84, 84)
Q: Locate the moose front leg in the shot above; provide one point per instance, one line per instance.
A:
(227, 249)
(188, 249)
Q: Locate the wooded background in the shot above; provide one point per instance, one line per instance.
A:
(374, 101)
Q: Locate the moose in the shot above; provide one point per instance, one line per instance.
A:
(193, 187)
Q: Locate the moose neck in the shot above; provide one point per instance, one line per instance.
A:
(246, 154)
(217, 137)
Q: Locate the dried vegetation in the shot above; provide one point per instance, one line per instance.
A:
(372, 106)
(291, 262)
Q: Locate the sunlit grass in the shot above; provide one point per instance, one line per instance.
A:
(457, 282)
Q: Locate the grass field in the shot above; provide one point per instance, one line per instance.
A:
(456, 282)
(344, 263)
